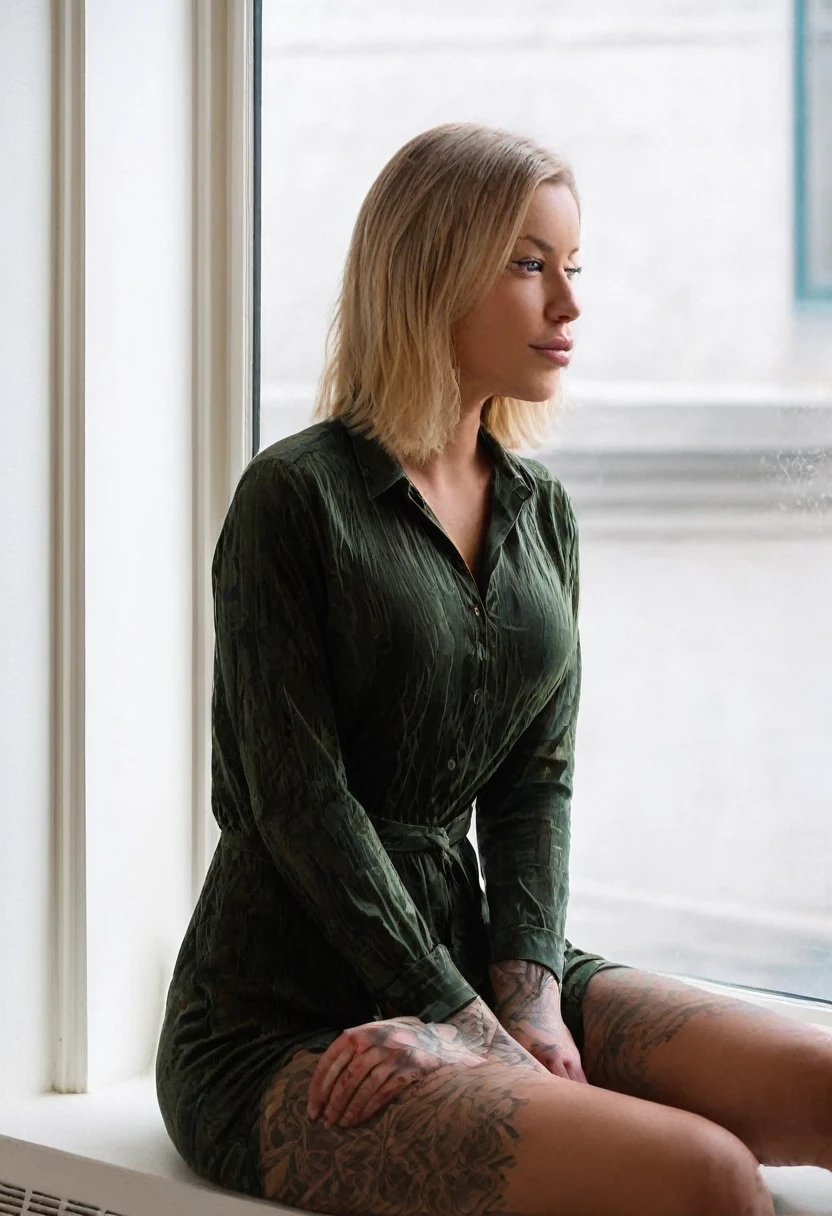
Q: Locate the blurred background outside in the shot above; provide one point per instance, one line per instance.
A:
(697, 439)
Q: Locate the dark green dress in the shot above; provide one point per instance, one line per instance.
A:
(366, 692)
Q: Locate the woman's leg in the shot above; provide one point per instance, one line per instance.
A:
(763, 1076)
(501, 1140)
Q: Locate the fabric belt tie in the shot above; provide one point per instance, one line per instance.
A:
(396, 837)
(421, 838)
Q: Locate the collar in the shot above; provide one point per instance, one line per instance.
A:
(381, 470)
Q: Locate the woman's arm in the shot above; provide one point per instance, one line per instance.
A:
(523, 833)
(270, 607)
(523, 814)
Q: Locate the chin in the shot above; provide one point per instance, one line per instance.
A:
(537, 392)
(539, 388)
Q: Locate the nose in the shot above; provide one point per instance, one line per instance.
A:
(562, 305)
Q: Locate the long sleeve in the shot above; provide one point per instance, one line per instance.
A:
(524, 813)
(270, 603)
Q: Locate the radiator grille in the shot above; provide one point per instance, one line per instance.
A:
(15, 1200)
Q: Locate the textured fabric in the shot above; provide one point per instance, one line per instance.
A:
(368, 691)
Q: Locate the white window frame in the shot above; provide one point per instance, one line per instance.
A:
(224, 335)
(222, 446)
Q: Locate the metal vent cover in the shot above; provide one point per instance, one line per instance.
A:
(15, 1200)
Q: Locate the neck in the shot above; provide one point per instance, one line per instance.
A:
(462, 457)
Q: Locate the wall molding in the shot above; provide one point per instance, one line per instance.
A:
(69, 954)
(646, 459)
(757, 462)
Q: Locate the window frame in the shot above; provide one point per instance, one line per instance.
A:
(806, 290)
(226, 404)
(222, 346)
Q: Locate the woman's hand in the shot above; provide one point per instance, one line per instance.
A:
(369, 1065)
(528, 1008)
(483, 1032)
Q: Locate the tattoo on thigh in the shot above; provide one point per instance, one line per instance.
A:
(626, 1022)
(443, 1146)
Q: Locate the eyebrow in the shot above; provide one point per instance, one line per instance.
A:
(541, 244)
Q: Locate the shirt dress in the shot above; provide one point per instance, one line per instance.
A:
(368, 694)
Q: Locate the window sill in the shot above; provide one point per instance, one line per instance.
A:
(113, 1152)
(817, 1013)
(121, 1127)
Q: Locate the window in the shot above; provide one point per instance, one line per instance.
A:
(813, 149)
(697, 443)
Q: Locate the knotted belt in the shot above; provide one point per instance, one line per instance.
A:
(401, 838)
(420, 838)
(395, 836)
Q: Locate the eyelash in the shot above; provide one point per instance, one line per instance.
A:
(570, 270)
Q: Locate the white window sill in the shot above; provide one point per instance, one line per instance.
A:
(121, 1126)
(121, 1129)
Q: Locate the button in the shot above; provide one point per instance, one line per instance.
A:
(452, 765)
(476, 609)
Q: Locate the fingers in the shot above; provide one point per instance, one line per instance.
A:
(365, 1073)
(330, 1091)
(577, 1073)
(362, 1107)
(366, 1098)
(354, 1089)
(333, 1061)
(355, 1086)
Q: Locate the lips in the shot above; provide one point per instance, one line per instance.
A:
(555, 344)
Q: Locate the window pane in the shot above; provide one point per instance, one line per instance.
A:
(817, 133)
(696, 445)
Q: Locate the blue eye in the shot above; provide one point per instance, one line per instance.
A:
(570, 270)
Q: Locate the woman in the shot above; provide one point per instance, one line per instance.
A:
(353, 1025)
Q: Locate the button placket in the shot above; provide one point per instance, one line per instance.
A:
(479, 652)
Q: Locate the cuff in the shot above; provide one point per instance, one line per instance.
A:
(536, 945)
(431, 989)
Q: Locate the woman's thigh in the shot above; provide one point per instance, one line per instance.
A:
(499, 1139)
(579, 966)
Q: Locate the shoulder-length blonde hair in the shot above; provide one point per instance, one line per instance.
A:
(432, 237)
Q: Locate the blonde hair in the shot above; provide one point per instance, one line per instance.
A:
(432, 237)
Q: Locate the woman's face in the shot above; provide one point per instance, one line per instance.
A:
(532, 304)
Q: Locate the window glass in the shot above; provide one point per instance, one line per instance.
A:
(697, 438)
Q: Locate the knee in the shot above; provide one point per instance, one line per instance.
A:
(820, 1088)
(732, 1184)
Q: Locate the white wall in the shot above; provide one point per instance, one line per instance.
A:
(138, 518)
(138, 506)
(25, 169)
